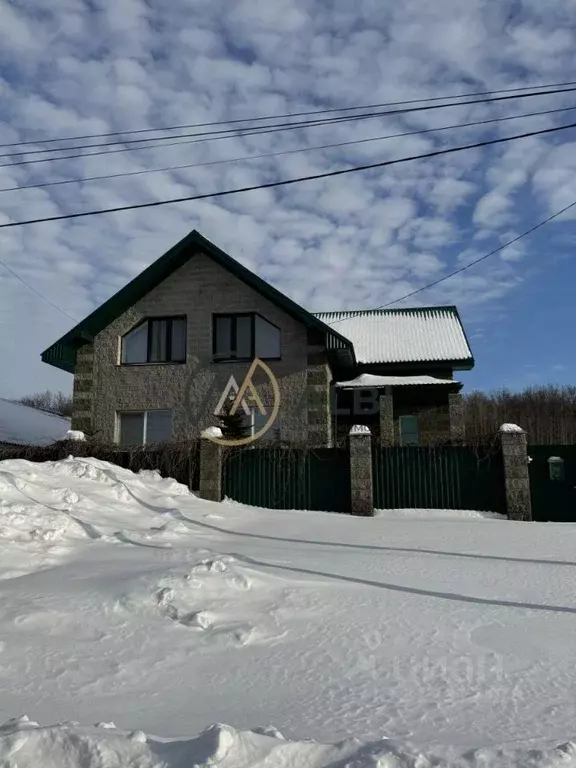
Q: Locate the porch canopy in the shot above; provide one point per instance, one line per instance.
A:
(371, 381)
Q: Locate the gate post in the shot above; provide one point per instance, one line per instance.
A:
(361, 493)
(210, 469)
(516, 474)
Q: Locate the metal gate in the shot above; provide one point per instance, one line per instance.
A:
(288, 478)
(552, 482)
(447, 477)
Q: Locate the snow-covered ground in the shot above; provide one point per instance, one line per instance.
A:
(146, 615)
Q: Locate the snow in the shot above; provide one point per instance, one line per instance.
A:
(75, 434)
(212, 432)
(368, 380)
(22, 425)
(395, 336)
(511, 428)
(359, 429)
(409, 640)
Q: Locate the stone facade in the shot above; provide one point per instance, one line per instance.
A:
(191, 390)
(516, 474)
(210, 470)
(361, 485)
(456, 414)
(387, 426)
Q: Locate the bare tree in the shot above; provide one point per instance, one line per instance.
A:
(56, 402)
(548, 414)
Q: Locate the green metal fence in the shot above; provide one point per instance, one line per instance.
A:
(288, 478)
(553, 488)
(447, 477)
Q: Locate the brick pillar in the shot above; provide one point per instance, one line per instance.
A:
(83, 393)
(387, 436)
(516, 474)
(361, 495)
(457, 425)
(210, 470)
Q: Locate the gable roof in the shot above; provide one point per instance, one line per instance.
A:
(421, 334)
(22, 425)
(62, 353)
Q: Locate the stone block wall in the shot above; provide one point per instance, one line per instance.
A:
(191, 390)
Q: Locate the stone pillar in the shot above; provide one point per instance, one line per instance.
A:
(361, 495)
(83, 393)
(457, 425)
(210, 470)
(516, 474)
(387, 435)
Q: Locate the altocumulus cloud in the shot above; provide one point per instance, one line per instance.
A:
(78, 67)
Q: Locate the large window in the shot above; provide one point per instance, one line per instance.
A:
(244, 337)
(409, 430)
(144, 427)
(159, 340)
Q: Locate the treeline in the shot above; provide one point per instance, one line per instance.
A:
(548, 414)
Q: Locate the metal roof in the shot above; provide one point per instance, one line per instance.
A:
(421, 334)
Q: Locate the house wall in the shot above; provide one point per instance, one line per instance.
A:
(192, 390)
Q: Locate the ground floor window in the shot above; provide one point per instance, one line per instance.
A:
(144, 427)
(257, 420)
(409, 430)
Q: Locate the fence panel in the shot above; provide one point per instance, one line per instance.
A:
(288, 478)
(447, 477)
(553, 493)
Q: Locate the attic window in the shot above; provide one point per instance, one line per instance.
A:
(244, 337)
(158, 340)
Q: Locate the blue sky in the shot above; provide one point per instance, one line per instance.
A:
(78, 67)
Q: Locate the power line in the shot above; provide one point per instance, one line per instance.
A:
(235, 133)
(284, 152)
(477, 261)
(41, 295)
(287, 182)
(287, 115)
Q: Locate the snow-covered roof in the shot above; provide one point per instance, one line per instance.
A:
(426, 334)
(368, 380)
(22, 425)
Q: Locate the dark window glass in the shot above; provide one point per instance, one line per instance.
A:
(409, 431)
(179, 340)
(131, 428)
(158, 341)
(244, 336)
(158, 426)
(135, 345)
(223, 337)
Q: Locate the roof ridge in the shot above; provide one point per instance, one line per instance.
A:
(390, 310)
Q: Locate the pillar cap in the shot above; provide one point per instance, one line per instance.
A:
(212, 432)
(360, 429)
(511, 429)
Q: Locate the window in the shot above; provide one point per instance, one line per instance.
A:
(409, 432)
(144, 427)
(244, 337)
(258, 420)
(159, 340)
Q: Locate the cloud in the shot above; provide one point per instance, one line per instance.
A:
(78, 67)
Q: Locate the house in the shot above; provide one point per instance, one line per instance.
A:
(152, 362)
(22, 425)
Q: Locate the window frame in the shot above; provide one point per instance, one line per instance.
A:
(143, 413)
(273, 427)
(148, 321)
(400, 420)
(217, 358)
